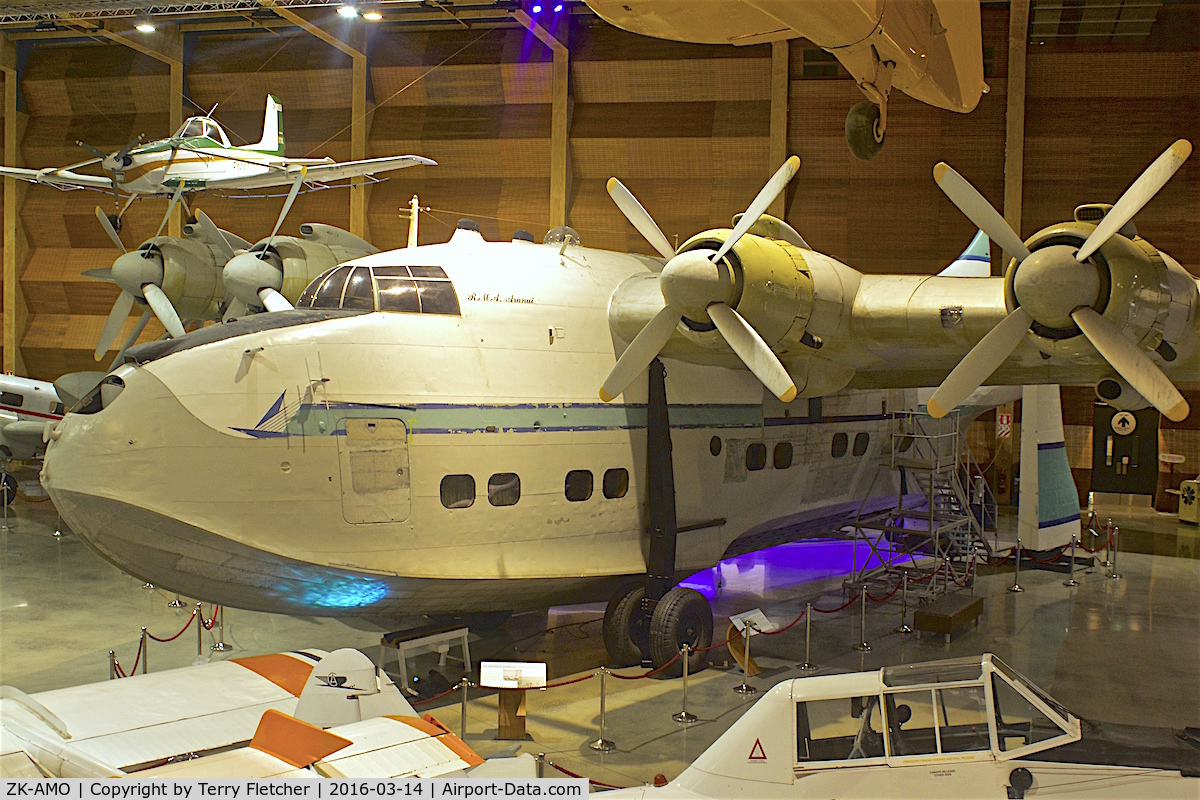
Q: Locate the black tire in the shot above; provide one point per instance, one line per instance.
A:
(622, 620)
(860, 130)
(683, 616)
(8, 488)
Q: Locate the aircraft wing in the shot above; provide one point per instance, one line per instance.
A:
(26, 434)
(60, 178)
(321, 172)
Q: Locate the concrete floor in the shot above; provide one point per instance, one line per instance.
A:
(1112, 650)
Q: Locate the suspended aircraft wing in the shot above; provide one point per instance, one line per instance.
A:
(321, 172)
(59, 178)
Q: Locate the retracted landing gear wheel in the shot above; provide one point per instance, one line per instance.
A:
(862, 130)
(623, 623)
(683, 616)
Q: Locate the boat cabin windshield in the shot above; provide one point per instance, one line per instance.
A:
(415, 289)
(972, 708)
(205, 127)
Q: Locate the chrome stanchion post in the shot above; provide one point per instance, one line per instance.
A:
(743, 687)
(683, 715)
(176, 603)
(807, 666)
(144, 646)
(1116, 550)
(112, 665)
(1016, 587)
(862, 645)
(541, 765)
(602, 745)
(1071, 580)
(903, 626)
(199, 615)
(6, 504)
(464, 684)
(221, 646)
(1108, 544)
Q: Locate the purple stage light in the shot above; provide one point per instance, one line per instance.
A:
(537, 9)
(558, 8)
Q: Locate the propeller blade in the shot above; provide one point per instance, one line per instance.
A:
(1132, 364)
(170, 207)
(163, 309)
(980, 363)
(753, 351)
(639, 217)
(641, 351)
(287, 205)
(273, 300)
(759, 205)
(108, 228)
(133, 337)
(112, 325)
(100, 275)
(235, 309)
(100, 154)
(1135, 197)
(977, 209)
(213, 235)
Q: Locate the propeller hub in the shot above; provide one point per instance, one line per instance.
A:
(134, 270)
(1051, 283)
(247, 273)
(691, 282)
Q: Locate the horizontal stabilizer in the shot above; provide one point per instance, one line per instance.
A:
(294, 741)
(975, 261)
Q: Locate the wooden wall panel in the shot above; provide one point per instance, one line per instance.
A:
(684, 126)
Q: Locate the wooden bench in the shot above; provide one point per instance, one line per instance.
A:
(427, 639)
(948, 614)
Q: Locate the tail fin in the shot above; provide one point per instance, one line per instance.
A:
(272, 137)
(975, 261)
(1048, 514)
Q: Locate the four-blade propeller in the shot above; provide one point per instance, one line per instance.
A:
(1054, 286)
(699, 285)
(253, 278)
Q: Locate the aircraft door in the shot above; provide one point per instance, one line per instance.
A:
(373, 454)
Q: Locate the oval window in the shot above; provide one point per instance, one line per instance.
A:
(714, 445)
(840, 443)
(783, 455)
(861, 442)
(578, 486)
(756, 456)
(504, 489)
(616, 483)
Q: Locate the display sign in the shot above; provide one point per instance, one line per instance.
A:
(512, 674)
(1003, 426)
(756, 619)
(1171, 458)
(1124, 423)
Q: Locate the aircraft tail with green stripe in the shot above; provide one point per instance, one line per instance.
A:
(272, 136)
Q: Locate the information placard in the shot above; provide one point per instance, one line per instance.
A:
(512, 674)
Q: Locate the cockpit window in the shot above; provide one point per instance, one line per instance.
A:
(330, 293)
(202, 126)
(412, 289)
(192, 128)
(359, 294)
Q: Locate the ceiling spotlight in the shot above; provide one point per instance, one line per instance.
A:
(537, 8)
(145, 27)
(373, 16)
(558, 7)
(349, 12)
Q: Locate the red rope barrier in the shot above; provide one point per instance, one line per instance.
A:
(966, 576)
(451, 690)
(1051, 560)
(1086, 549)
(210, 622)
(842, 607)
(570, 774)
(654, 671)
(176, 636)
(587, 677)
(136, 661)
(778, 631)
(1007, 556)
(885, 598)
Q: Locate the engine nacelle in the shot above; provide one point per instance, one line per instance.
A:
(1120, 395)
(191, 276)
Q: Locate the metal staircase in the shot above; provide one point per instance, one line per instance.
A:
(943, 514)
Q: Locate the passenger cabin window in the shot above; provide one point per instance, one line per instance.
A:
(458, 491)
(783, 455)
(756, 456)
(840, 443)
(415, 289)
(578, 486)
(616, 483)
(861, 441)
(12, 399)
(58, 409)
(504, 489)
(714, 445)
(840, 729)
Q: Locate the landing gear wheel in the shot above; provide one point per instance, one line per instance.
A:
(115, 221)
(862, 130)
(683, 616)
(623, 621)
(8, 488)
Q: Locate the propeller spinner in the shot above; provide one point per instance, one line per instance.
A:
(699, 284)
(1056, 286)
(254, 279)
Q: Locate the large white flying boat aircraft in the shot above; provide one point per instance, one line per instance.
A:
(422, 433)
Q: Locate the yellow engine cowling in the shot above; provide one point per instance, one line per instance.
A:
(1151, 298)
(191, 277)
